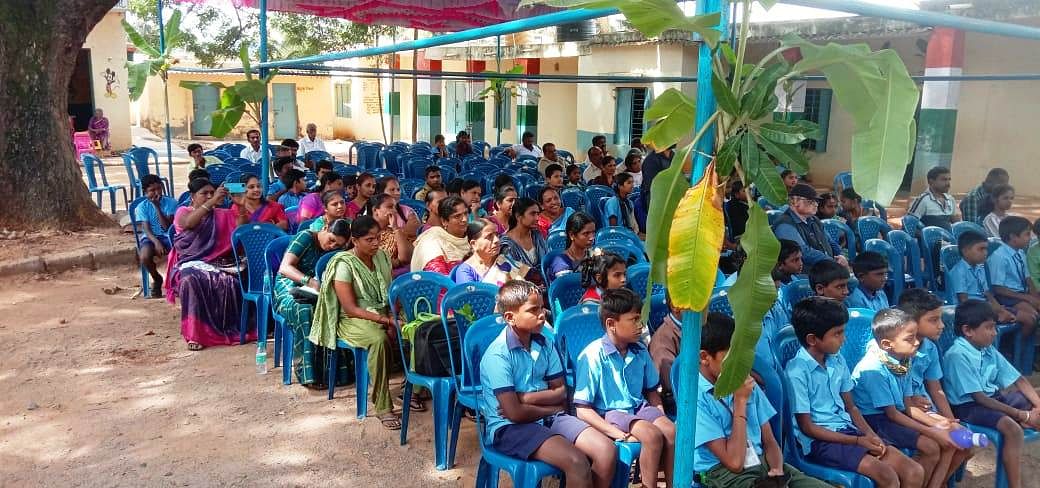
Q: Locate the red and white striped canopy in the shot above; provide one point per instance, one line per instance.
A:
(428, 15)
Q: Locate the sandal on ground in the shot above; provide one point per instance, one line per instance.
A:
(390, 421)
(416, 405)
(315, 386)
(157, 290)
(195, 346)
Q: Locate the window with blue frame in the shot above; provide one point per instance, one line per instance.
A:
(818, 109)
(629, 123)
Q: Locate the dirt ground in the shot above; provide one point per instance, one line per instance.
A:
(17, 245)
(101, 391)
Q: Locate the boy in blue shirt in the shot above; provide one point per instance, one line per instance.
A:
(277, 189)
(882, 385)
(927, 402)
(829, 428)
(829, 279)
(871, 269)
(975, 375)
(615, 386)
(735, 446)
(154, 218)
(1012, 286)
(293, 179)
(967, 278)
(524, 396)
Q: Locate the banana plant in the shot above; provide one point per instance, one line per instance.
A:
(159, 61)
(685, 228)
(500, 89)
(244, 97)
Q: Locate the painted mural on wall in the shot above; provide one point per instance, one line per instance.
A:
(111, 83)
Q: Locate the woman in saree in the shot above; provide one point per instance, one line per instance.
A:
(487, 264)
(581, 235)
(404, 216)
(554, 215)
(201, 268)
(393, 238)
(311, 206)
(504, 199)
(353, 304)
(259, 209)
(98, 129)
(297, 269)
(523, 243)
(438, 249)
(335, 205)
(366, 188)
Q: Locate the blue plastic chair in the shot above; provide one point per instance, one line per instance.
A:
(858, 333)
(795, 291)
(565, 292)
(557, 240)
(896, 277)
(407, 294)
(787, 348)
(91, 163)
(547, 259)
(908, 247)
(253, 239)
(594, 192)
(142, 158)
(230, 148)
(880, 209)
(273, 254)
(872, 228)
(837, 229)
(636, 277)
(317, 156)
(932, 238)
(962, 227)
(719, 302)
(418, 207)
(631, 253)
(658, 311)
(131, 174)
(618, 234)
(574, 198)
(842, 181)
(912, 225)
(218, 172)
(481, 297)
(945, 341)
(145, 280)
(525, 474)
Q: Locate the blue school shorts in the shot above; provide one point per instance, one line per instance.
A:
(1008, 302)
(891, 432)
(144, 241)
(623, 420)
(973, 413)
(841, 456)
(522, 440)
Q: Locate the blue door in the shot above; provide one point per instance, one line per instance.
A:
(284, 108)
(204, 101)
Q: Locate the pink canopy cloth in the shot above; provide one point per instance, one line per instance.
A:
(428, 15)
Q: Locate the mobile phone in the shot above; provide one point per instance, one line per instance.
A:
(235, 187)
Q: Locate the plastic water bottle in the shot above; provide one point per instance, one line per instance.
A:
(965, 439)
(261, 357)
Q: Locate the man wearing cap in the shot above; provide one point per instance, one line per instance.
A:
(799, 223)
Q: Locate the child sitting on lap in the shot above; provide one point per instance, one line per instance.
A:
(524, 396)
(829, 428)
(975, 375)
(733, 434)
(882, 384)
(871, 270)
(927, 401)
(615, 387)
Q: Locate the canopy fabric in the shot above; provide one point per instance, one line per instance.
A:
(428, 15)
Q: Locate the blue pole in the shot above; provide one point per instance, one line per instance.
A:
(923, 17)
(511, 27)
(690, 345)
(265, 158)
(166, 99)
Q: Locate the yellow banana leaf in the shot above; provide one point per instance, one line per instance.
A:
(695, 243)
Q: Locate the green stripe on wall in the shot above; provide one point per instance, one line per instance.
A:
(429, 106)
(936, 130)
(475, 111)
(394, 103)
(526, 115)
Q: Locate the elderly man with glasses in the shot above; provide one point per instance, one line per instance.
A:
(799, 224)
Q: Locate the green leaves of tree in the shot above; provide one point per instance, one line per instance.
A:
(877, 91)
(159, 61)
(244, 97)
(674, 114)
(750, 297)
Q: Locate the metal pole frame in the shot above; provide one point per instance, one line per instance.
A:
(265, 153)
(166, 98)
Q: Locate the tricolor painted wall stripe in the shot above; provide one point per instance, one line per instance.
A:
(937, 123)
(527, 102)
(428, 110)
(475, 108)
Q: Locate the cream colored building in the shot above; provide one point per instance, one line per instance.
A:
(99, 79)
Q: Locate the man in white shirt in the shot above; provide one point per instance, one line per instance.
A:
(527, 147)
(252, 152)
(311, 142)
(595, 162)
(936, 206)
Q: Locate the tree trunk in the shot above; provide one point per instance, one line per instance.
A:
(40, 180)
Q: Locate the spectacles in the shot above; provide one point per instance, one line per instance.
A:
(815, 203)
